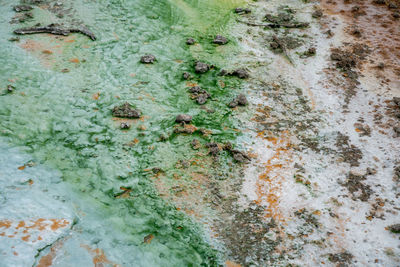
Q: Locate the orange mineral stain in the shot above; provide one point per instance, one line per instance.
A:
(232, 264)
(269, 183)
(74, 60)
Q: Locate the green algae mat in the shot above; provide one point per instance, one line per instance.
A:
(115, 204)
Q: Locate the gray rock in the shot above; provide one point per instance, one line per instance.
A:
(220, 40)
(240, 100)
(201, 67)
(148, 59)
(183, 118)
(240, 73)
(22, 8)
(395, 228)
(241, 10)
(125, 111)
(201, 99)
(125, 125)
(190, 41)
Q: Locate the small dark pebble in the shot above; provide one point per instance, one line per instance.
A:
(223, 73)
(199, 94)
(125, 111)
(10, 88)
(125, 125)
(196, 90)
(356, 32)
(201, 67)
(396, 15)
(340, 257)
(311, 51)
(379, 2)
(241, 10)
(239, 156)
(240, 100)
(396, 100)
(317, 13)
(183, 118)
(190, 41)
(65, 70)
(355, 9)
(201, 99)
(392, 6)
(213, 149)
(220, 40)
(395, 228)
(21, 8)
(228, 146)
(396, 129)
(14, 39)
(241, 73)
(195, 144)
(157, 170)
(148, 59)
(381, 66)
(186, 75)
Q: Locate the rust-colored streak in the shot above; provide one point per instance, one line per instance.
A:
(269, 183)
(74, 60)
(47, 260)
(232, 264)
(98, 256)
(28, 230)
(57, 224)
(5, 224)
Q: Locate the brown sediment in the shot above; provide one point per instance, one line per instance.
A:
(380, 31)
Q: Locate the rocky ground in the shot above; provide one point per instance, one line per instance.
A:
(272, 141)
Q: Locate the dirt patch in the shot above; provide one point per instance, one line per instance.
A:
(350, 153)
(357, 188)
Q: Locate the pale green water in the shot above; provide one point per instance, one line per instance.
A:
(54, 118)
